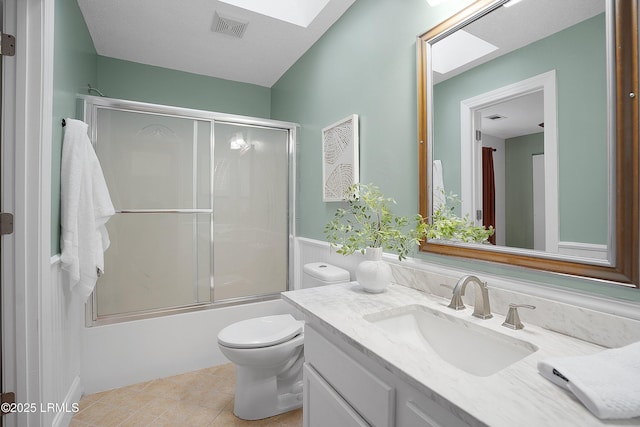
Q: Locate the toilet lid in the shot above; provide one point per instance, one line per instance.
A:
(261, 331)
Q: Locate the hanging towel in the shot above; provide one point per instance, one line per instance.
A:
(85, 209)
(607, 383)
(439, 197)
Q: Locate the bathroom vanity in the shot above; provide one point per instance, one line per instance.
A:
(367, 364)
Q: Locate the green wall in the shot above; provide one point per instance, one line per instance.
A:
(578, 54)
(519, 188)
(74, 68)
(140, 82)
(365, 64)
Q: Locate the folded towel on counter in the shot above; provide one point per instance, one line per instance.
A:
(607, 383)
(85, 209)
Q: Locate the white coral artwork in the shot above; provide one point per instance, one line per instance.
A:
(339, 158)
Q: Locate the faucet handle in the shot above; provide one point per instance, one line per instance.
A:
(456, 300)
(512, 321)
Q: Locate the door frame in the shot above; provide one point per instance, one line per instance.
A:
(471, 153)
(26, 167)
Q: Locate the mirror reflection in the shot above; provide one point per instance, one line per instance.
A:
(520, 128)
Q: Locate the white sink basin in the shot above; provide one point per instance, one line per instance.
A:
(465, 345)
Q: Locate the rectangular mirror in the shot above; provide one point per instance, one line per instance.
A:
(528, 135)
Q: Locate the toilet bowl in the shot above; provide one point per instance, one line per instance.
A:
(269, 353)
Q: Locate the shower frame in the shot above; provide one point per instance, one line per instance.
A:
(89, 105)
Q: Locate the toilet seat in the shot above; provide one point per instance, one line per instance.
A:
(261, 332)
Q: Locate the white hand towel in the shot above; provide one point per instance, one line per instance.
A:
(85, 209)
(439, 197)
(607, 383)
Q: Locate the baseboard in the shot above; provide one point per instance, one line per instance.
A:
(69, 406)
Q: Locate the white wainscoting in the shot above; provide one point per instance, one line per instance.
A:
(310, 250)
(61, 333)
(583, 250)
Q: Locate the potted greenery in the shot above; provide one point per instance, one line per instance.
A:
(446, 225)
(369, 226)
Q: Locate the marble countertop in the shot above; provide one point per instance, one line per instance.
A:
(516, 395)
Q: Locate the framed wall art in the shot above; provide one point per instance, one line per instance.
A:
(339, 158)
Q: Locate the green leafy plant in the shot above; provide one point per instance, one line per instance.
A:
(369, 222)
(446, 225)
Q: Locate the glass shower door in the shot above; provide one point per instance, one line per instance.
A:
(250, 211)
(158, 170)
(202, 205)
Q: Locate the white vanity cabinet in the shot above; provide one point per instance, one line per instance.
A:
(344, 387)
(323, 406)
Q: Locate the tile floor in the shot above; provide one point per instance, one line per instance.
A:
(200, 398)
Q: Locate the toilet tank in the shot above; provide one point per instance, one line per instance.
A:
(320, 274)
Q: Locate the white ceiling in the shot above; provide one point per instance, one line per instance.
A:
(178, 35)
(510, 28)
(520, 116)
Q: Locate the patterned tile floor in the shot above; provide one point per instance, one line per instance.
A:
(200, 398)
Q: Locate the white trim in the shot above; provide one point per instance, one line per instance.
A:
(27, 118)
(469, 150)
(61, 333)
(44, 123)
(13, 347)
(46, 135)
(68, 407)
(583, 250)
(539, 228)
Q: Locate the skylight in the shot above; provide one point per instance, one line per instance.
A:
(458, 49)
(301, 13)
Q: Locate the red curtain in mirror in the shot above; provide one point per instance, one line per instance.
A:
(488, 192)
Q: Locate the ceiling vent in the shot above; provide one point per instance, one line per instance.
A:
(495, 117)
(229, 26)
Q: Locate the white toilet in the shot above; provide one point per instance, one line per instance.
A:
(268, 354)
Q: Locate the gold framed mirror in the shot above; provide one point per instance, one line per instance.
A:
(611, 202)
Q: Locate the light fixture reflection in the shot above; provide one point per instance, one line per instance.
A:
(237, 142)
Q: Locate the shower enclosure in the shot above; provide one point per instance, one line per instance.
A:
(204, 208)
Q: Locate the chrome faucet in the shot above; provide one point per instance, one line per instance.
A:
(481, 309)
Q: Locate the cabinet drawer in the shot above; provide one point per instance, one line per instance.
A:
(323, 406)
(372, 398)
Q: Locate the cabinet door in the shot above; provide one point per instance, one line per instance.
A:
(427, 414)
(360, 387)
(416, 417)
(323, 406)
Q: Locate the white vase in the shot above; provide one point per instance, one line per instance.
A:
(373, 274)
